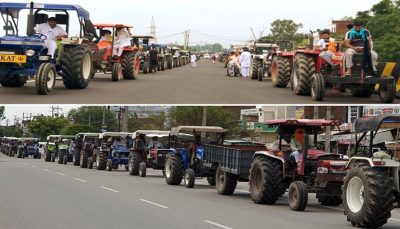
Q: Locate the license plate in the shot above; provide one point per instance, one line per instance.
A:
(18, 59)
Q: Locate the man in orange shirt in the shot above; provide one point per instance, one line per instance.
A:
(327, 45)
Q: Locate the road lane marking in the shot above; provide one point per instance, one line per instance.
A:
(109, 189)
(25, 164)
(47, 170)
(34, 166)
(155, 204)
(80, 180)
(62, 174)
(217, 224)
(397, 220)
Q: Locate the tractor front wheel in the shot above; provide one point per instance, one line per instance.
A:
(134, 163)
(45, 79)
(109, 165)
(189, 178)
(142, 169)
(116, 72)
(317, 87)
(298, 196)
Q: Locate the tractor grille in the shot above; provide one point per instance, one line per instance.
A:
(14, 50)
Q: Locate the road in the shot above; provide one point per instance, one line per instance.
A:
(37, 194)
(206, 84)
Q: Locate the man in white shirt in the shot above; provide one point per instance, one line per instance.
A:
(53, 32)
(123, 40)
(245, 61)
(193, 59)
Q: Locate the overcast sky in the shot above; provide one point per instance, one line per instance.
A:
(210, 21)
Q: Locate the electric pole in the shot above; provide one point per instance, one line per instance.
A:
(204, 121)
(55, 111)
(125, 119)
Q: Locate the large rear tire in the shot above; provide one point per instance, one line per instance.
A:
(101, 161)
(225, 182)
(265, 180)
(280, 72)
(45, 79)
(130, 66)
(134, 163)
(304, 68)
(387, 92)
(77, 67)
(173, 169)
(256, 66)
(368, 196)
(84, 159)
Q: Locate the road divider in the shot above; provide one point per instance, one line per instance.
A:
(155, 204)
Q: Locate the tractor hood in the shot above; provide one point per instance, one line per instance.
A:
(121, 149)
(21, 40)
(314, 154)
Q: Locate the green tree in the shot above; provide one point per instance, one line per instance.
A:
(47, 125)
(77, 128)
(10, 131)
(284, 29)
(2, 109)
(93, 116)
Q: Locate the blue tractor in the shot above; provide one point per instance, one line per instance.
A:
(113, 151)
(28, 147)
(23, 53)
(185, 161)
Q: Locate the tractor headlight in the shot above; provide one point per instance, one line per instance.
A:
(30, 52)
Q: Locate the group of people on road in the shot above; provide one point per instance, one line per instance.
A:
(241, 61)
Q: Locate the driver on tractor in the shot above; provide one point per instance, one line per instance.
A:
(154, 143)
(53, 33)
(327, 45)
(356, 40)
(296, 144)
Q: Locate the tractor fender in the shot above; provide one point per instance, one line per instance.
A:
(374, 162)
(270, 155)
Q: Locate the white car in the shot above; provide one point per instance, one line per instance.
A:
(207, 56)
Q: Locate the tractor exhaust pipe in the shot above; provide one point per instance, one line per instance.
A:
(31, 21)
(311, 40)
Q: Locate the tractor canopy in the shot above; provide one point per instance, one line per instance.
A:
(151, 133)
(110, 25)
(377, 122)
(198, 129)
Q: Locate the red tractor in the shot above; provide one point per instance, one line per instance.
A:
(124, 67)
(309, 74)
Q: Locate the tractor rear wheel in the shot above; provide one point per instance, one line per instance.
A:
(265, 180)
(387, 92)
(60, 157)
(77, 67)
(45, 79)
(53, 157)
(298, 196)
(130, 66)
(225, 182)
(101, 161)
(142, 169)
(368, 195)
(109, 165)
(169, 63)
(116, 72)
(173, 169)
(65, 159)
(134, 163)
(13, 81)
(317, 87)
(304, 68)
(76, 159)
(90, 163)
(84, 159)
(256, 66)
(280, 72)
(146, 67)
(189, 178)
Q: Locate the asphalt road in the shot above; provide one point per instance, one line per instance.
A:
(36, 194)
(206, 84)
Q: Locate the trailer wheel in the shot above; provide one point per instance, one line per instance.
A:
(173, 169)
(109, 165)
(225, 182)
(65, 159)
(211, 180)
(265, 180)
(133, 164)
(189, 178)
(387, 92)
(90, 163)
(298, 196)
(142, 169)
(368, 196)
(317, 87)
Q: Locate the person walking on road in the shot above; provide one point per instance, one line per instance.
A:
(213, 58)
(153, 59)
(245, 62)
(193, 59)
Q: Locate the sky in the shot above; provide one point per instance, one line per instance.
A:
(210, 21)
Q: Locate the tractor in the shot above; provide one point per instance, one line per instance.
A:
(28, 147)
(142, 157)
(164, 57)
(372, 184)
(185, 161)
(89, 146)
(142, 42)
(80, 146)
(64, 153)
(127, 65)
(274, 171)
(262, 60)
(23, 54)
(113, 151)
(11, 146)
(54, 146)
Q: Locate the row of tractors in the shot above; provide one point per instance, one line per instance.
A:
(78, 58)
(367, 183)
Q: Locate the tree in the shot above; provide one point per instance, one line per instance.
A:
(10, 131)
(77, 128)
(284, 30)
(153, 122)
(92, 116)
(2, 109)
(47, 125)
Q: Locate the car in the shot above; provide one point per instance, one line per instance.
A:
(207, 56)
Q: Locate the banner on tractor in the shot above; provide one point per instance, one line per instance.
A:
(390, 69)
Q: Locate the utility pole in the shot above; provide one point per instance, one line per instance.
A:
(328, 130)
(204, 121)
(125, 119)
(103, 122)
(55, 111)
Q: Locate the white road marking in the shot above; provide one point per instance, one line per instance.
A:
(47, 170)
(80, 180)
(34, 166)
(62, 174)
(397, 220)
(155, 204)
(109, 189)
(25, 164)
(217, 224)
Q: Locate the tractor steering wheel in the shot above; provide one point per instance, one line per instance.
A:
(41, 36)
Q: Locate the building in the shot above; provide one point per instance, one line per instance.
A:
(339, 26)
